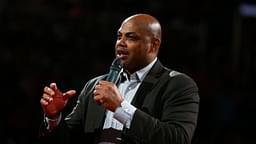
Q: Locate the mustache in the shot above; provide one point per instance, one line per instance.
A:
(121, 50)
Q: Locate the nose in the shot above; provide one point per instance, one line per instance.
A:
(121, 42)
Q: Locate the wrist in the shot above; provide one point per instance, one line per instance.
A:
(52, 117)
(52, 122)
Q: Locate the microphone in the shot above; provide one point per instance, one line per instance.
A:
(115, 70)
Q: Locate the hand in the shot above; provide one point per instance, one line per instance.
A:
(107, 94)
(53, 100)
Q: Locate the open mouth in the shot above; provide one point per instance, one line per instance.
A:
(122, 53)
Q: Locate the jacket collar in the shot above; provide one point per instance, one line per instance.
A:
(147, 84)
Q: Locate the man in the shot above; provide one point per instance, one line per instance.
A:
(152, 105)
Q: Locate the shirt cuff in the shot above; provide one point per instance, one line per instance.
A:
(124, 114)
(52, 123)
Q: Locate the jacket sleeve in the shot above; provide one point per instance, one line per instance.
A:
(71, 126)
(179, 107)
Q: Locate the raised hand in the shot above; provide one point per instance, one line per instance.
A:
(53, 100)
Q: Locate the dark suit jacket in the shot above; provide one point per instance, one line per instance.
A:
(167, 109)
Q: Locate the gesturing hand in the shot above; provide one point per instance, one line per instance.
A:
(53, 100)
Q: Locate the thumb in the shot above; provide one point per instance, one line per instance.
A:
(69, 94)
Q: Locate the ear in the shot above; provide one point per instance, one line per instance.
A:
(156, 45)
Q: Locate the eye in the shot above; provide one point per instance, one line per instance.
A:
(119, 36)
(133, 37)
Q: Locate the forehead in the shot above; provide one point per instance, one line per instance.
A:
(132, 27)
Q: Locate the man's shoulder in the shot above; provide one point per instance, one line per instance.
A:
(178, 75)
(175, 73)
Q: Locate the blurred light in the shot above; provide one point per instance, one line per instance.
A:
(248, 10)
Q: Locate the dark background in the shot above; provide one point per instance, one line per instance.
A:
(71, 41)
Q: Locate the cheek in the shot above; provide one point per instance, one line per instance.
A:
(116, 44)
(137, 50)
(138, 55)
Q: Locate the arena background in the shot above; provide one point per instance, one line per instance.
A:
(71, 41)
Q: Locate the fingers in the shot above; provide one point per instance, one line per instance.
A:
(46, 99)
(49, 91)
(53, 91)
(54, 87)
(103, 85)
(44, 102)
(69, 94)
(97, 94)
(107, 95)
(103, 82)
(102, 92)
(98, 100)
(49, 94)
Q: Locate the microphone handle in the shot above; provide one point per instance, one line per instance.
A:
(113, 75)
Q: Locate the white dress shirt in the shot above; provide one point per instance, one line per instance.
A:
(124, 114)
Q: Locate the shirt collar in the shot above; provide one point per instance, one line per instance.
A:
(141, 74)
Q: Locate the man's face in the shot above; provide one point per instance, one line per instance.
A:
(133, 46)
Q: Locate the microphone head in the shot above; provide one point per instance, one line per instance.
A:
(117, 64)
(115, 69)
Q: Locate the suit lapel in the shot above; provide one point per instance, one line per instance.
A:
(147, 84)
(95, 114)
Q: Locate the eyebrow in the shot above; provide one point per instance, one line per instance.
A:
(128, 33)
